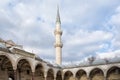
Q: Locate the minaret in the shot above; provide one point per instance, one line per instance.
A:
(58, 44)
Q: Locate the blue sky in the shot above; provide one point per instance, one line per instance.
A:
(90, 27)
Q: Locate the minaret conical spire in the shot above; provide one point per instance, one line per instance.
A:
(58, 16)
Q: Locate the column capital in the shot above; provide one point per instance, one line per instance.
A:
(45, 74)
(55, 76)
(14, 68)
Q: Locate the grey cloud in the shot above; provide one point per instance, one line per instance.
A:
(89, 17)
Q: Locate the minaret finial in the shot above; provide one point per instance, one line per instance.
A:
(58, 15)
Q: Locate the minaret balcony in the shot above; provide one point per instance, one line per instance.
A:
(58, 45)
(58, 32)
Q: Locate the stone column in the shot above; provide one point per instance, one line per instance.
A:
(62, 77)
(19, 74)
(45, 77)
(45, 74)
(105, 78)
(54, 77)
(33, 75)
(74, 76)
(88, 78)
(15, 74)
(6, 73)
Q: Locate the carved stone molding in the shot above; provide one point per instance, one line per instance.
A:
(58, 32)
(58, 45)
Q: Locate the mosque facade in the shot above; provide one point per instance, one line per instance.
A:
(18, 64)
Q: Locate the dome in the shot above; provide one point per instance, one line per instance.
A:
(2, 45)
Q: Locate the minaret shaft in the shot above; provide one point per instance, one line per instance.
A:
(58, 44)
(58, 55)
(58, 39)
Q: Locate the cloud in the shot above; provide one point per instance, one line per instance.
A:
(114, 24)
(87, 14)
(84, 37)
(84, 43)
(89, 20)
(112, 54)
(46, 54)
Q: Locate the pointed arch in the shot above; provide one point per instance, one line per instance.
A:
(24, 68)
(39, 72)
(59, 75)
(68, 75)
(50, 74)
(113, 73)
(81, 74)
(6, 67)
(24, 58)
(96, 74)
(10, 58)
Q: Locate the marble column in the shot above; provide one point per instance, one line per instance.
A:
(45, 77)
(88, 78)
(33, 75)
(105, 78)
(15, 74)
(62, 77)
(54, 77)
(19, 74)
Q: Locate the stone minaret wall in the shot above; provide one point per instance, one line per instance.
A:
(58, 44)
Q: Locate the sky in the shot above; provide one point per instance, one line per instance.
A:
(90, 27)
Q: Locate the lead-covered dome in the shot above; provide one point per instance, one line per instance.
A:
(2, 45)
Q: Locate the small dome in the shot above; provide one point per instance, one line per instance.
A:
(99, 61)
(2, 45)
